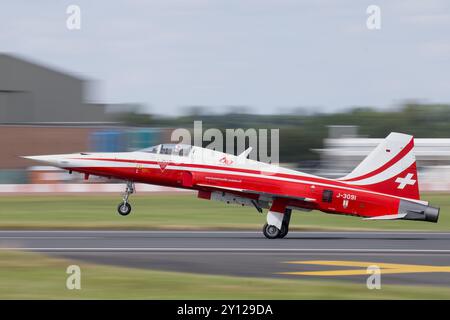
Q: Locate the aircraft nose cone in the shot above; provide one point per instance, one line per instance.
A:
(56, 160)
(36, 158)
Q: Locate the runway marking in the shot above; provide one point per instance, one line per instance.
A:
(386, 268)
(169, 249)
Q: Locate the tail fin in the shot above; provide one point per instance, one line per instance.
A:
(390, 168)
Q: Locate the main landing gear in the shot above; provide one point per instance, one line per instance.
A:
(271, 231)
(124, 208)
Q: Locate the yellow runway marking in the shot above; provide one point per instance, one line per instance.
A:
(386, 268)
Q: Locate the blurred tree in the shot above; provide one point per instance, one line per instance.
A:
(301, 132)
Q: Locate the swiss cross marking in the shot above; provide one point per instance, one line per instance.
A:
(403, 182)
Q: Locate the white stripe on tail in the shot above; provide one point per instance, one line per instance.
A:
(390, 168)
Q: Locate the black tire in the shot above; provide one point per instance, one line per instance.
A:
(284, 231)
(271, 232)
(124, 209)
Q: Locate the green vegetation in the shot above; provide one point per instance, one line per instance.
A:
(305, 129)
(35, 276)
(179, 211)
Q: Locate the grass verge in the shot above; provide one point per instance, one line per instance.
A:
(26, 275)
(179, 211)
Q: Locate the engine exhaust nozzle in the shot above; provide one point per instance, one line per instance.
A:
(418, 211)
(432, 214)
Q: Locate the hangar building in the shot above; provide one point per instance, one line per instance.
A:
(33, 93)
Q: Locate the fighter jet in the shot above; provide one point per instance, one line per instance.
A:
(384, 186)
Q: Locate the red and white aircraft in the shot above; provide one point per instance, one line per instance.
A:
(383, 186)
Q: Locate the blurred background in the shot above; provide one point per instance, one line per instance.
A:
(44, 111)
(124, 80)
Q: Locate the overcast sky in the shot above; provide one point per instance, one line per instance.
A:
(265, 54)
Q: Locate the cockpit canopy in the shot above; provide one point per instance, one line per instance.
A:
(182, 150)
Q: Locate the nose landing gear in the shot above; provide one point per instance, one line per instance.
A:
(124, 208)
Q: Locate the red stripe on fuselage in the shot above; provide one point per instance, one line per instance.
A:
(212, 167)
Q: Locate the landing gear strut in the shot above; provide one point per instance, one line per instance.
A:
(285, 225)
(124, 208)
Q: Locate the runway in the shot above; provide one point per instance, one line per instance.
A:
(403, 257)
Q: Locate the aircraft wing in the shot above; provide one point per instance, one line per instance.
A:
(266, 194)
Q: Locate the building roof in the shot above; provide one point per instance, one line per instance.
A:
(14, 58)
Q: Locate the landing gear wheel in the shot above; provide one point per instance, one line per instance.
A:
(284, 231)
(124, 209)
(271, 232)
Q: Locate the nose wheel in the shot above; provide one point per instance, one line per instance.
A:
(124, 208)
